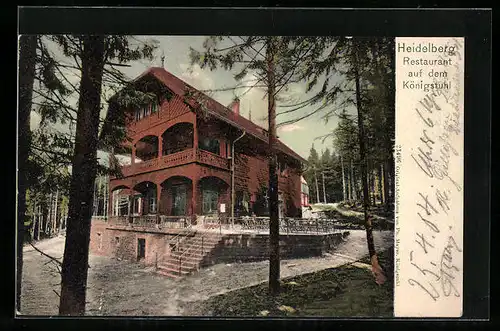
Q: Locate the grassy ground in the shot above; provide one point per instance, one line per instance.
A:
(346, 291)
(352, 217)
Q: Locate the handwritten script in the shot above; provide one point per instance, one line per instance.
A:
(429, 185)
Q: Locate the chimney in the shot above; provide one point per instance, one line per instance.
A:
(235, 106)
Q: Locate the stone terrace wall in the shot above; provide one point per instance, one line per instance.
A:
(255, 247)
(123, 244)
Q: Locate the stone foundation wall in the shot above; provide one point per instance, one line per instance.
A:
(123, 244)
(255, 247)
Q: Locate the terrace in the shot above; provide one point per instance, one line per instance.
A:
(224, 225)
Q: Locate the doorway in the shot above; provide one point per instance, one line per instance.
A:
(141, 249)
(179, 200)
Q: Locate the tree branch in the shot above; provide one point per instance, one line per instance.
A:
(46, 255)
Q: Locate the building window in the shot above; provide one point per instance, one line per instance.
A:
(228, 149)
(136, 205)
(282, 168)
(152, 203)
(210, 201)
(242, 203)
(305, 188)
(210, 145)
(120, 207)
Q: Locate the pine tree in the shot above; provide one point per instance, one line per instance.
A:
(313, 163)
(273, 61)
(354, 59)
(75, 261)
(53, 151)
(27, 58)
(95, 52)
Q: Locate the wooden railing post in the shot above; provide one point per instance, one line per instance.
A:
(202, 249)
(180, 265)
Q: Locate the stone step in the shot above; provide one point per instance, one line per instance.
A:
(204, 241)
(174, 271)
(197, 243)
(193, 263)
(193, 260)
(172, 265)
(205, 237)
(192, 254)
(197, 247)
(168, 274)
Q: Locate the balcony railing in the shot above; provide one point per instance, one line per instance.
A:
(152, 221)
(171, 160)
(212, 159)
(175, 159)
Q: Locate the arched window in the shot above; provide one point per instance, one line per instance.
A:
(210, 201)
(120, 207)
(151, 196)
(210, 145)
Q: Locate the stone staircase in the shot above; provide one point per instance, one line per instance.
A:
(189, 256)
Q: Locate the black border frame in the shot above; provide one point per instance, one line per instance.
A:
(474, 25)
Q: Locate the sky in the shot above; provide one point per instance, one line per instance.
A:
(299, 136)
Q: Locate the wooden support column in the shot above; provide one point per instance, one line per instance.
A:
(130, 206)
(158, 199)
(194, 197)
(110, 203)
(195, 138)
(160, 146)
(133, 155)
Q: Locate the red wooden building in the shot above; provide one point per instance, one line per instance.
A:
(189, 154)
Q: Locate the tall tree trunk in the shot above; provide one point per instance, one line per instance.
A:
(372, 181)
(27, 58)
(349, 186)
(381, 183)
(343, 179)
(55, 212)
(380, 277)
(317, 187)
(50, 212)
(94, 200)
(386, 184)
(39, 222)
(390, 124)
(324, 190)
(274, 258)
(84, 169)
(353, 184)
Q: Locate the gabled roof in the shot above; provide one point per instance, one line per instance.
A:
(180, 88)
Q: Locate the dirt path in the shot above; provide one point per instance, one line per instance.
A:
(120, 288)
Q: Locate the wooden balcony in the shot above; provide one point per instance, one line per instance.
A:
(212, 159)
(160, 223)
(176, 159)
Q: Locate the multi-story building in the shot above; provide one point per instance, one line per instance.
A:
(188, 156)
